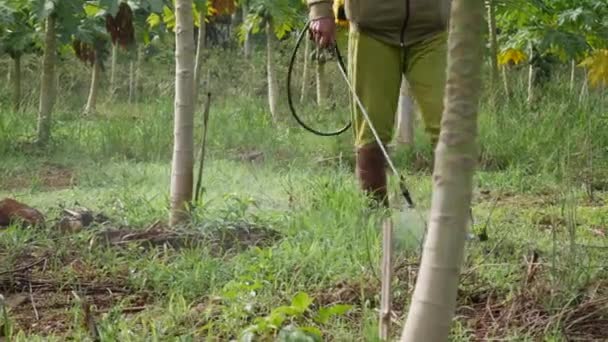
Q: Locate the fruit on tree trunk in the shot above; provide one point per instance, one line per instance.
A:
(47, 93)
(95, 78)
(273, 86)
(183, 144)
(434, 298)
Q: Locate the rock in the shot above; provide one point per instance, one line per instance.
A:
(14, 211)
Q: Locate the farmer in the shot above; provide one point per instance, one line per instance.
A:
(388, 40)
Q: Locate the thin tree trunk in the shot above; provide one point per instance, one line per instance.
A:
(405, 116)
(493, 42)
(572, 74)
(200, 47)
(322, 85)
(531, 94)
(304, 91)
(247, 43)
(183, 145)
(584, 88)
(273, 87)
(434, 298)
(16, 80)
(47, 93)
(113, 70)
(131, 80)
(93, 90)
(138, 73)
(505, 81)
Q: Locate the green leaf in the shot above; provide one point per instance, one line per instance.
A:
(153, 20)
(43, 8)
(301, 301)
(314, 331)
(335, 310)
(156, 6)
(111, 6)
(91, 10)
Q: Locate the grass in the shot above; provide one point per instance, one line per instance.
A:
(540, 193)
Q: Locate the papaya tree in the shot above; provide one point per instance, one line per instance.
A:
(276, 18)
(201, 11)
(540, 30)
(183, 145)
(434, 299)
(60, 20)
(17, 38)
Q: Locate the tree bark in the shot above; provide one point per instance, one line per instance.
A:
(138, 73)
(16, 81)
(113, 70)
(493, 42)
(434, 298)
(273, 87)
(505, 81)
(183, 145)
(572, 74)
(200, 47)
(405, 116)
(304, 90)
(94, 89)
(531, 95)
(247, 43)
(131, 80)
(47, 93)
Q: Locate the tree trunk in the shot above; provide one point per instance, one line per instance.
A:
(47, 93)
(138, 73)
(405, 116)
(16, 80)
(131, 80)
(113, 70)
(434, 298)
(183, 145)
(322, 85)
(531, 94)
(505, 81)
(572, 74)
(273, 87)
(493, 42)
(200, 47)
(247, 43)
(95, 78)
(584, 88)
(304, 91)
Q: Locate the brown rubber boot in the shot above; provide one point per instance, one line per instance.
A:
(371, 172)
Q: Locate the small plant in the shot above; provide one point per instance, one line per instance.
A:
(273, 325)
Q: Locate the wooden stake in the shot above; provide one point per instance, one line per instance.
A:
(387, 275)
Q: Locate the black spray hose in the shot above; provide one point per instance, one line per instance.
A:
(289, 95)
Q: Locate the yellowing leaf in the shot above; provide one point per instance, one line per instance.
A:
(153, 20)
(511, 56)
(597, 68)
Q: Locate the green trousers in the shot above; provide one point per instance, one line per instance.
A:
(375, 70)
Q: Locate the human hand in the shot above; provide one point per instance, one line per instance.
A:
(323, 32)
